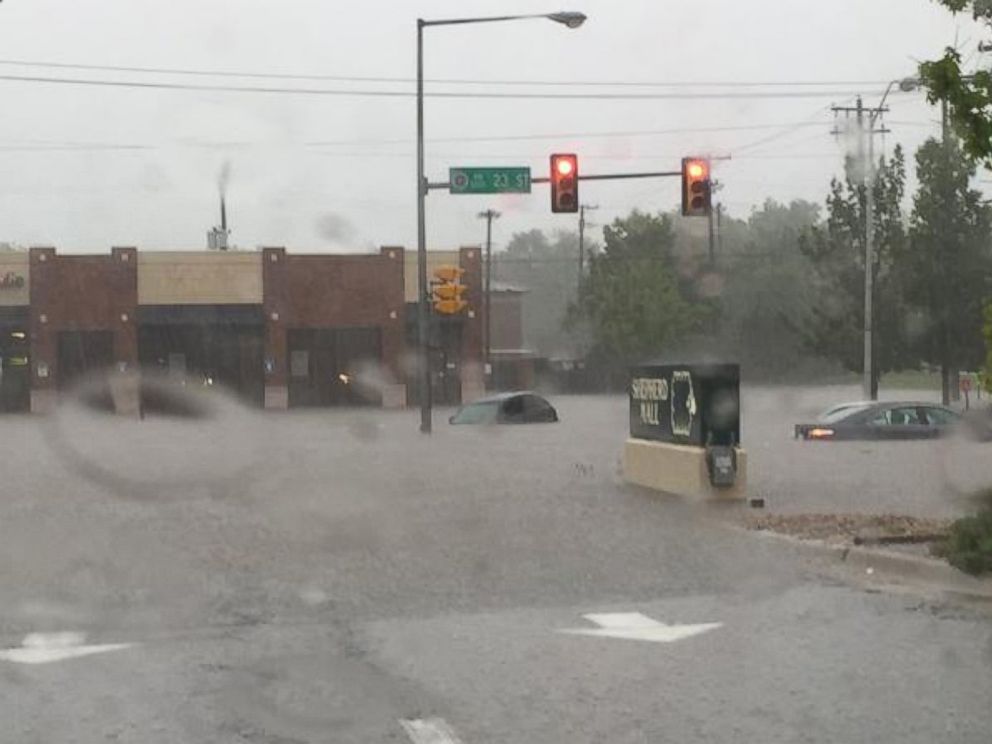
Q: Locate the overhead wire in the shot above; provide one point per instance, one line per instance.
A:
(368, 93)
(561, 135)
(451, 81)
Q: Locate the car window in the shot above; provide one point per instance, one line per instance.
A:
(513, 409)
(538, 409)
(476, 413)
(833, 415)
(898, 417)
(941, 416)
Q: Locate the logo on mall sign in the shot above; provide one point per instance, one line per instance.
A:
(11, 280)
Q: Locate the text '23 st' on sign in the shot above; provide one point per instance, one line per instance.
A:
(489, 180)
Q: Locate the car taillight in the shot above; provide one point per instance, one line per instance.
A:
(821, 433)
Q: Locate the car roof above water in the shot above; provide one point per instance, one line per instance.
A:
(499, 397)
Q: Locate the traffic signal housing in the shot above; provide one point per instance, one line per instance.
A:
(564, 182)
(447, 290)
(696, 187)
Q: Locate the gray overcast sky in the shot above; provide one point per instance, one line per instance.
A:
(287, 190)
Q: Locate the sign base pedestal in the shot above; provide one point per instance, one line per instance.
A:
(678, 469)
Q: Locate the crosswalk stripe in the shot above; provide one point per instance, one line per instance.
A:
(429, 731)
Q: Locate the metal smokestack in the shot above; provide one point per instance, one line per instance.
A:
(221, 233)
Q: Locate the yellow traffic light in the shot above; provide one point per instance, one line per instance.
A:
(448, 273)
(449, 307)
(447, 290)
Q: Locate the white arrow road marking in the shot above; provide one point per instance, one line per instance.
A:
(634, 626)
(44, 648)
(429, 731)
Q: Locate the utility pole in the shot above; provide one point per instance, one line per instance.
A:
(489, 215)
(867, 166)
(714, 187)
(712, 238)
(582, 241)
(719, 228)
(948, 374)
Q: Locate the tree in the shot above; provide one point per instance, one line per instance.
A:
(987, 334)
(632, 302)
(764, 302)
(837, 255)
(946, 262)
(968, 96)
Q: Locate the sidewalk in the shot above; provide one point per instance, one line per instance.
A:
(878, 551)
(885, 568)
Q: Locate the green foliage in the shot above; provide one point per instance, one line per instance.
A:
(987, 334)
(969, 545)
(945, 265)
(633, 303)
(968, 95)
(764, 303)
(836, 252)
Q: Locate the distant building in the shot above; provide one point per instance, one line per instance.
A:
(513, 365)
(280, 329)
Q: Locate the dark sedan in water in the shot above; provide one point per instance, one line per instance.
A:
(874, 420)
(507, 408)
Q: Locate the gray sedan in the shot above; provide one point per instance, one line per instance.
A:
(873, 420)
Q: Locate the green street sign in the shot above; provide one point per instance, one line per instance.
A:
(489, 180)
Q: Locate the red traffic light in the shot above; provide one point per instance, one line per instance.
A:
(564, 182)
(696, 187)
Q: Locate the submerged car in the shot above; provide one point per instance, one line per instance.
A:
(507, 408)
(874, 420)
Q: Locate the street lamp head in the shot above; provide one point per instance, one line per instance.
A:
(908, 85)
(568, 18)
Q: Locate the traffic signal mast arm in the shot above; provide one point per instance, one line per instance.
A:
(434, 185)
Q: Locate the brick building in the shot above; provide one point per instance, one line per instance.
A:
(279, 329)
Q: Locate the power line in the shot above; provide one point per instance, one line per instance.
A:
(564, 135)
(786, 130)
(451, 81)
(501, 257)
(430, 94)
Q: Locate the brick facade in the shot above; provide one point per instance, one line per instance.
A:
(326, 291)
(84, 312)
(79, 294)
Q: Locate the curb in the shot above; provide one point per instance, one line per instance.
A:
(874, 561)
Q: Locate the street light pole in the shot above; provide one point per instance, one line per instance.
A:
(566, 18)
(869, 176)
(423, 310)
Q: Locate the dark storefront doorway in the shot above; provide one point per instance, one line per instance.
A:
(83, 353)
(209, 346)
(445, 358)
(334, 366)
(15, 364)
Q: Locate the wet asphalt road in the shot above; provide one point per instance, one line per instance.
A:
(323, 576)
